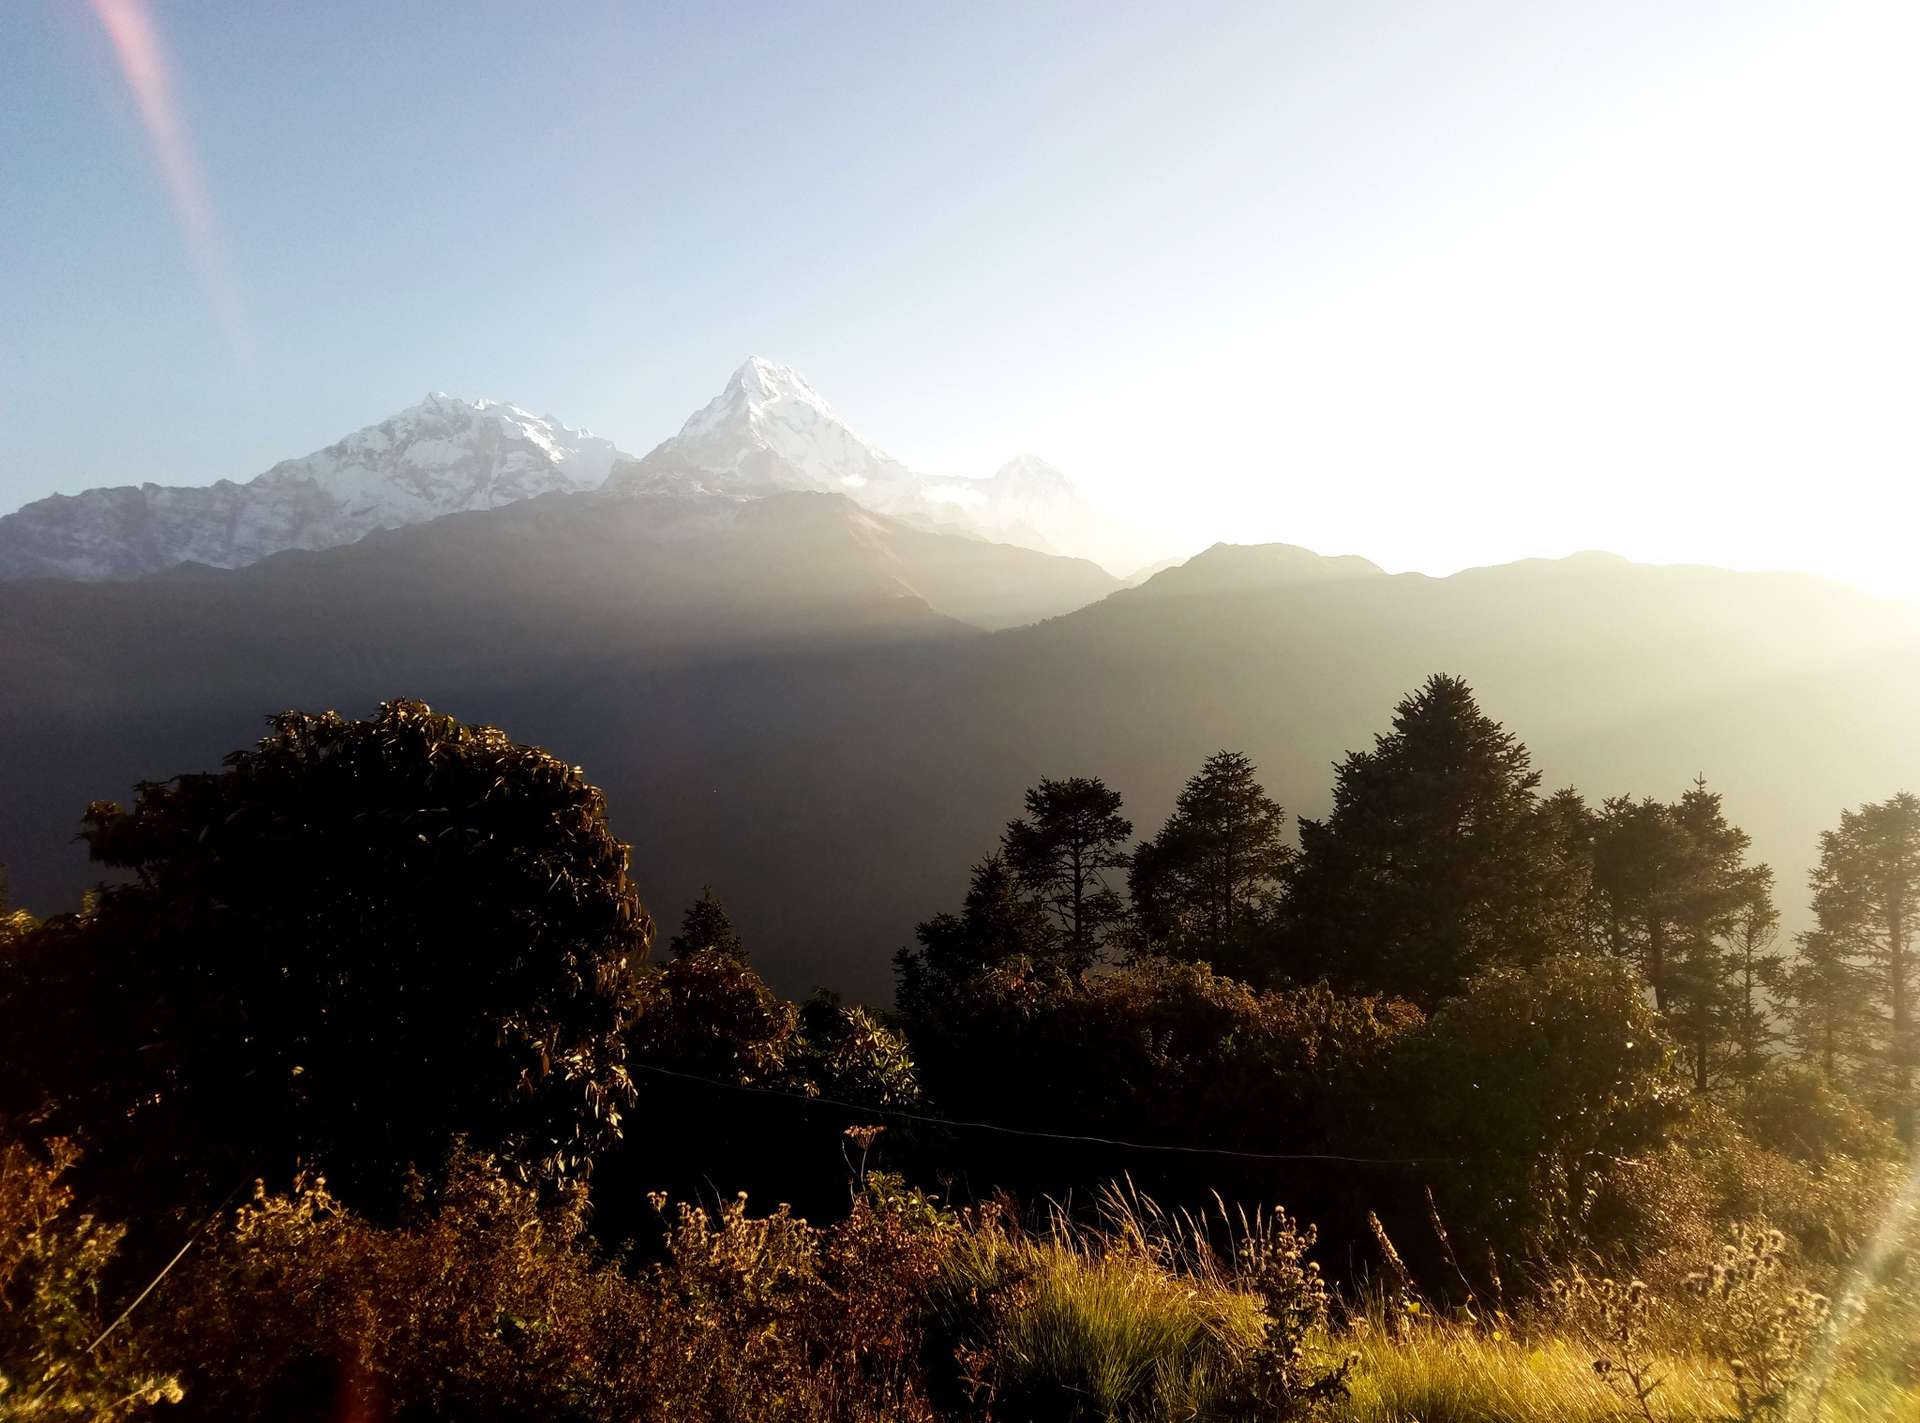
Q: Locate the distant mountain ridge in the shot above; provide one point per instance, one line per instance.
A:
(781, 695)
(768, 431)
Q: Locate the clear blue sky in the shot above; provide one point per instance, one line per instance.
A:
(1436, 255)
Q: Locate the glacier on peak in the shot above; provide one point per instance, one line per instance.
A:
(769, 430)
(442, 456)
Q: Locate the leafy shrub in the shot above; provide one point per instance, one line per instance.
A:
(487, 1303)
(1799, 1113)
(706, 1012)
(1528, 1088)
(1168, 1050)
(844, 1052)
(53, 1362)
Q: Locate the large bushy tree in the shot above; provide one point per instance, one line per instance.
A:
(357, 941)
(1214, 873)
(1437, 861)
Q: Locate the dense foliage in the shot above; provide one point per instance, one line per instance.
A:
(1581, 1134)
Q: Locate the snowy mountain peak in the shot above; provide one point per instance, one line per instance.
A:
(443, 456)
(761, 380)
(769, 428)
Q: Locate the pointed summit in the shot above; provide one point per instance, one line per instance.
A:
(759, 379)
(769, 429)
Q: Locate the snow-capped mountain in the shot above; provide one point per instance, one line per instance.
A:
(769, 429)
(442, 456)
(767, 432)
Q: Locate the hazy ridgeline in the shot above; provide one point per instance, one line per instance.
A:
(797, 712)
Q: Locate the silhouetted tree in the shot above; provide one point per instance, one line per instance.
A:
(1674, 881)
(358, 941)
(1072, 835)
(1866, 897)
(1756, 971)
(1726, 890)
(706, 926)
(1215, 870)
(997, 924)
(1568, 829)
(1825, 996)
(1436, 861)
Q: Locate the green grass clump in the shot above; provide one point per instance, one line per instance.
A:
(1444, 1374)
(1062, 1328)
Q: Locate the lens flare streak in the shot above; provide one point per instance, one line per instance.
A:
(143, 63)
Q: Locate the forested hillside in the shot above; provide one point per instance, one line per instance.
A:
(779, 718)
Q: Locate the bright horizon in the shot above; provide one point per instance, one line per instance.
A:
(1514, 283)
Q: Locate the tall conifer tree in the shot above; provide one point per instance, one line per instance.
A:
(1866, 898)
(1072, 836)
(1214, 872)
(1437, 860)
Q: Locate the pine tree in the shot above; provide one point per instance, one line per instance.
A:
(1568, 826)
(1061, 851)
(1215, 870)
(1720, 888)
(707, 926)
(996, 925)
(1825, 993)
(1866, 898)
(1672, 882)
(1436, 862)
(1756, 976)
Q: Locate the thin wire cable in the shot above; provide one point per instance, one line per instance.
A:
(152, 1285)
(1048, 1135)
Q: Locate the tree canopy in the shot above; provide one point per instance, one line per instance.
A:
(1214, 873)
(1061, 851)
(1437, 860)
(356, 940)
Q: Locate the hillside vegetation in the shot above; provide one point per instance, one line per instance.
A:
(370, 1088)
